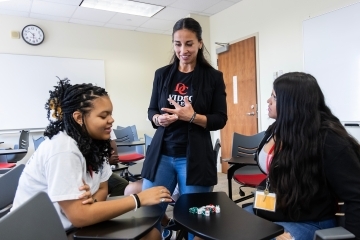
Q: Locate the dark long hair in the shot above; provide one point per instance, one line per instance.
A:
(64, 100)
(192, 25)
(296, 172)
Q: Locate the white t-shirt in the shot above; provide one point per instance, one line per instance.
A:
(58, 168)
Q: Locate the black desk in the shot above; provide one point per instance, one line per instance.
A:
(231, 223)
(1, 142)
(129, 144)
(131, 225)
(238, 162)
(12, 151)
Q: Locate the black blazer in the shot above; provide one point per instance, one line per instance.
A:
(209, 98)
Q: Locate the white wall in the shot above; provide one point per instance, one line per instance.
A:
(278, 24)
(131, 59)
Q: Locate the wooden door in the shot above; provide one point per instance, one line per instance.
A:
(239, 61)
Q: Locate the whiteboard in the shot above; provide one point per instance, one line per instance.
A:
(25, 82)
(332, 56)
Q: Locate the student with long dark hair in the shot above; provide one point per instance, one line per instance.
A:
(311, 161)
(188, 101)
(77, 151)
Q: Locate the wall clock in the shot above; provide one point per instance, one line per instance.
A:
(33, 35)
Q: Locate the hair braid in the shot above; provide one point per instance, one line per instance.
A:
(63, 102)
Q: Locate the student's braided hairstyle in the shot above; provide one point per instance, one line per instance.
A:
(64, 100)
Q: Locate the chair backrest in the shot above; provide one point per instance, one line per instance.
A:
(246, 145)
(125, 135)
(217, 147)
(24, 139)
(35, 219)
(148, 140)
(133, 129)
(38, 141)
(8, 185)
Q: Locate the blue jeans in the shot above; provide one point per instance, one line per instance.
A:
(302, 230)
(172, 171)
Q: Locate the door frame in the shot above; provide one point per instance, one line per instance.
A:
(216, 134)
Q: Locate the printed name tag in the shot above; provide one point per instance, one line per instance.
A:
(265, 202)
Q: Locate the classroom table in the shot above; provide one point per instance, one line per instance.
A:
(130, 144)
(131, 225)
(236, 163)
(12, 151)
(231, 223)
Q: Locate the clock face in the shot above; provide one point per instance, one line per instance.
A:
(33, 35)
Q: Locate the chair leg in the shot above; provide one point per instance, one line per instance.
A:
(241, 192)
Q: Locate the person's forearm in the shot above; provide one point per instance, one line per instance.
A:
(84, 215)
(200, 120)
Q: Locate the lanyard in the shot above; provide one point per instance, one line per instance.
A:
(269, 158)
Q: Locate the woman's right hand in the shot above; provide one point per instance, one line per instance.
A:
(154, 195)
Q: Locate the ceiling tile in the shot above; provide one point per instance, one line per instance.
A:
(55, 9)
(69, 11)
(159, 2)
(16, 5)
(198, 5)
(158, 24)
(218, 7)
(49, 17)
(84, 22)
(69, 2)
(13, 13)
(127, 19)
(111, 25)
(91, 14)
(172, 14)
(203, 14)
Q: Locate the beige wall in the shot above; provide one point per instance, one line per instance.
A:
(131, 59)
(278, 24)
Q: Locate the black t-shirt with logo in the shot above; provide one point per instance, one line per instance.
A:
(176, 134)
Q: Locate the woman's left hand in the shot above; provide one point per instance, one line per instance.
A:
(184, 113)
(86, 195)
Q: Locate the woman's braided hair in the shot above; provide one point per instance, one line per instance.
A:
(64, 100)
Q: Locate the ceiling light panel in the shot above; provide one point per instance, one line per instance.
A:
(123, 6)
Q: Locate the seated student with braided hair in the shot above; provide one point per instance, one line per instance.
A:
(77, 151)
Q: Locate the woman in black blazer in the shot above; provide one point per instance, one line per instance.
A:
(188, 101)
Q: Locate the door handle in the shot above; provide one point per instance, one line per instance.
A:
(250, 114)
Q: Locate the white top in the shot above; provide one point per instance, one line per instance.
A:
(58, 168)
(262, 160)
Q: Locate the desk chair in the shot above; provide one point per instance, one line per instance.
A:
(23, 144)
(128, 155)
(148, 140)
(8, 185)
(246, 176)
(337, 232)
(139, 149)
(38, 220)
(38, 141)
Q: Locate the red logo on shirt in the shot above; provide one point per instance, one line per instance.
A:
(181, 88)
